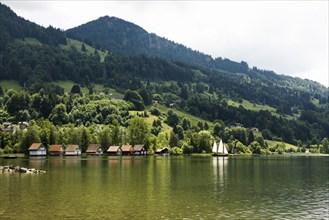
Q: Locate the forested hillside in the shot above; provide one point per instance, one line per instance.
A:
(117, 35)
(13, 26)
(282, 108)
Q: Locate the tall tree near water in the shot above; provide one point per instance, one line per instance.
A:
(138, 131)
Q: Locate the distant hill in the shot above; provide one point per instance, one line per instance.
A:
(117, 35)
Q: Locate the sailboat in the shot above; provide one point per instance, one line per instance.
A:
(219, 151)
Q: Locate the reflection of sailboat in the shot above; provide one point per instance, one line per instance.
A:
(219, 151)
(220, 170)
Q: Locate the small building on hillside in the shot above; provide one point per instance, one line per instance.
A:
(140, 150)
(56, 150)
(23, 125)
(126, 149)
(114, 150)
(6, 127)
(72, 150)
(162, 151)
(254, 130)
(236, 125)
(94, 149)
(37, 149)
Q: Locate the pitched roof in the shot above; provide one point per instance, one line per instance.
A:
(126, 148)
(35, 146)
(162, 149)
(55, 148)
(113, 149)
(138, 147)
(71, 148)
(93, 148)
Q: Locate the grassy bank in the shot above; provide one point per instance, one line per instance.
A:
(288, 146)
(10, 84)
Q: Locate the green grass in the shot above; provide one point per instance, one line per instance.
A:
(78, 44)
(10, 84)
(273, 143)
(201, 155)
(30, 41)
(316, 102)
(67, 86)
(70, 42)
(250, 106)
(151, 118)
(194, 120)
(163, 109)
(256, 107)
(114, 93)
(10, 155)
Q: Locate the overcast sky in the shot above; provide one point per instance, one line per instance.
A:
(288, 37)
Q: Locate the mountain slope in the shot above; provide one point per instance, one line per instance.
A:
(13, 26)
(117, 35)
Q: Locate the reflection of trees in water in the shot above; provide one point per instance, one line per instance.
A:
(37, 162)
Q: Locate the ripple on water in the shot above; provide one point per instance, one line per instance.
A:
(252, 188)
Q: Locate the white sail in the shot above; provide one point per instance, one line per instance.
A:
(221, 147)
(214, 148)
(225, 150)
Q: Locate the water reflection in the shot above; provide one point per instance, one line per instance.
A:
(55, 162)
(72, 162)
(220, 171)
(37, 162)
(168, 187)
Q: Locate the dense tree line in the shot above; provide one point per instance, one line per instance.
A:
(184, 138)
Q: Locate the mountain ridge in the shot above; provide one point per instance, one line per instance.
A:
(128, 38)
(134, 40)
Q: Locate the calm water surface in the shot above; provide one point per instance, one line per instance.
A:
(167, 188)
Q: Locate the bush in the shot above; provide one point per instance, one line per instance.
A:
(176, 151)
(155, 111)
(7, 150)
(267, 134)
(150, 151)
(314, 150)
(240, 148)
(255, 147)
(187, 149)
(280, 148)
(265, 151)
(277, 139)
(291, 150)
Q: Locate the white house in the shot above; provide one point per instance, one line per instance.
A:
(37, 149)
(72, 150)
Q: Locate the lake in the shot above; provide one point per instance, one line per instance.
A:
(184, 187)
